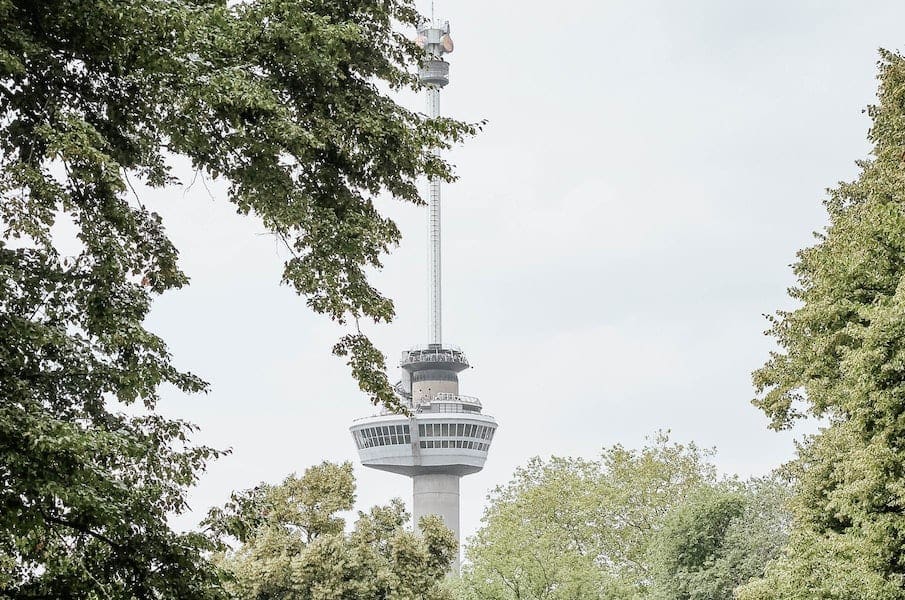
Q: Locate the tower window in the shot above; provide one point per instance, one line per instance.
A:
(383, 435)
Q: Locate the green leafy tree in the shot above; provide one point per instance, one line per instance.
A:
(536, 536)
(291, 543)
(842, 360)
(720, 538)
(280, 98)
(572, 528)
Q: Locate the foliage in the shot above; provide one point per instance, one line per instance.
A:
(843, 360)
(282, 99)
(573, 528)
(293, 544)
(533, 542)
(720, 538)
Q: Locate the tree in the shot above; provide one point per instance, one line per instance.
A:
(842, 360)
(281, 98)
(292, 544)
(720, 538)
(573, 528)
(535, 539)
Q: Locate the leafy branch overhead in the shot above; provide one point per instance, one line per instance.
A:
(282, 99)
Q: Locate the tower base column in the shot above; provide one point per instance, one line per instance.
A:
(438, 494)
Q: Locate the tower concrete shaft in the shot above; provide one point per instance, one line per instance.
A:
(438, 494)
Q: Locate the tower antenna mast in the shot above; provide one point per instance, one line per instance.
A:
(434, 74)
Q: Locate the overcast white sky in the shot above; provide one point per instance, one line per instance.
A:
(628, 215)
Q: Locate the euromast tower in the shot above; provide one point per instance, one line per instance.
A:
(447, 436)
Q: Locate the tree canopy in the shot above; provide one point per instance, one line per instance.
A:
(721, 537)
(655, 523)
(842, 359)
(283, 99)
(291, 543)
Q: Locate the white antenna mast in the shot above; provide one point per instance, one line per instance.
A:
(434, 38)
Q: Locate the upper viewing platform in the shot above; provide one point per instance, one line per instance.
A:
(434, 356)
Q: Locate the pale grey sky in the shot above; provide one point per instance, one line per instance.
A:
(629, 213)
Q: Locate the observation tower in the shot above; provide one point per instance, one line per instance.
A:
(447, 436)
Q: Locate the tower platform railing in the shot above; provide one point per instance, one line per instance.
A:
(444, 354)
(448, 397)
(446, 402)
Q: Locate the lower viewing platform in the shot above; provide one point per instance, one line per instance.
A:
(427, 442)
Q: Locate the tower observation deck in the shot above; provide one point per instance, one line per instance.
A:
(447, 436)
